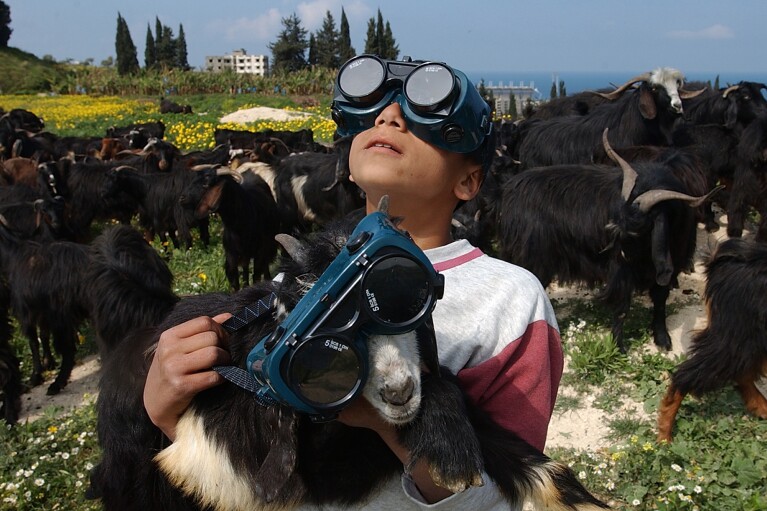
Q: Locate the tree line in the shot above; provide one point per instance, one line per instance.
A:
(294, 49)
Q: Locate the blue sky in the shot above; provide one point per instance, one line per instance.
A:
(709, 36)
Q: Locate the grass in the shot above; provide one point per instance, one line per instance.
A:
(716, 461)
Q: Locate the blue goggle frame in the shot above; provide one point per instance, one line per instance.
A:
(306, 337)
(458, 120)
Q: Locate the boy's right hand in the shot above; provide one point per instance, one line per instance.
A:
(181, 368)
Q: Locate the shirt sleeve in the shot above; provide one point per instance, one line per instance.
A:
(518, 386)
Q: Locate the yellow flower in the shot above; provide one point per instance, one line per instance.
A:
(52, 429)
(203, 277)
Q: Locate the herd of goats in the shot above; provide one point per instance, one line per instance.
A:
(603, 188)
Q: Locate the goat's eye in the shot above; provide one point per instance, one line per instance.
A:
(747, 98)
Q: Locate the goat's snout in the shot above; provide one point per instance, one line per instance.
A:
(398, 395)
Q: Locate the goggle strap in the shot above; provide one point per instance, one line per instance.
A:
(237, 375)
(250, 313)
(246, 381)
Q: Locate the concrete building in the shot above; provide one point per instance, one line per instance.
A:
(522, 93)
(239, 62)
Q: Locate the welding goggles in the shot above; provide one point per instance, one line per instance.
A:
(316, 360)
(440, 104)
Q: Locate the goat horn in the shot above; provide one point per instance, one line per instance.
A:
(226, 171)
(457, 224)
(204, 166)
(647, 200)
(730, 89)
(689, 94)
(292, 246)
(629, 174)
(383, 205)
(620, 90)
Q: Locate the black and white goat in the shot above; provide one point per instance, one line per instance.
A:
(232, 453)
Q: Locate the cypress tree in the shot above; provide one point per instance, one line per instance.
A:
(512, 106)
(166, 50)
(288, 51)
(127, 59)
(562, 89)
(345, 49)
(5, 24)
(390, 49)
(553, 90)
(716, 83)
(313, 59)
(182, 60)
(157, 36)
(371, 46)
(380, 41)
(327, 43)
(150, 57)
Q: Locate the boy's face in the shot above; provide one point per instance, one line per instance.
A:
(387, 159)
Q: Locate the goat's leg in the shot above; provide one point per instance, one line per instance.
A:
(10, 384)
(659, 295)
(443, 436)
(48, 361)
(620, 311)
(753, 399)
(65, 342)
(232, 272)
(669, 407)
(30, 331)
(203, 226)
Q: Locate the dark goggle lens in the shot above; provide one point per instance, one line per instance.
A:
(396, 290)
(324, 370)
(429, 85)
(361, 77)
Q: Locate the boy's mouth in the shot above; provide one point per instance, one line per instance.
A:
(382, 145)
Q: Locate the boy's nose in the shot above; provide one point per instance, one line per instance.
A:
(391, 115)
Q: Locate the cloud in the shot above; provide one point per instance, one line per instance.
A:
(712, 32)
(261, 28)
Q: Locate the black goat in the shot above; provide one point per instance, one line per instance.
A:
(733, 346)
(733, 107)
(129, 285)
(250, 219)
(589, 223)
(171, 107)
(160, 211)
(272, 457)
(47, 292)
(749, 180)
(137, 134)
(642, 116)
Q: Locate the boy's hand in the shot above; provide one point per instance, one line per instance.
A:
(181, 368)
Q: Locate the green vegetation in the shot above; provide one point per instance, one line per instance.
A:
(23, 73)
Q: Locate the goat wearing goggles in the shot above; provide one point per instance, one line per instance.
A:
(440, 104)
(316, 360)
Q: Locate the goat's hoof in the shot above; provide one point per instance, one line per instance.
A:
(663, 342)
(54, 389)
(456, 483)
(35, 380)
(712, 227)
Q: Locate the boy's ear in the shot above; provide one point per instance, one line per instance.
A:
(468, 187)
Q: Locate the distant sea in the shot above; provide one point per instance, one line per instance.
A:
(580, 81)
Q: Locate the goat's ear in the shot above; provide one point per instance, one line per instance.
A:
(210, 201)
(647, 106)
(280, 463)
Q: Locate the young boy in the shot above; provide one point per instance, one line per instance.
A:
(495, 327)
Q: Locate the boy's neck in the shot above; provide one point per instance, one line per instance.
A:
(427, 227)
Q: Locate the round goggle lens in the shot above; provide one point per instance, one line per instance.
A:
(361, 77)
(324, 370)
(429, 85)
(396, 290)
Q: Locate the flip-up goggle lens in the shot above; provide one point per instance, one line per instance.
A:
(325, 370)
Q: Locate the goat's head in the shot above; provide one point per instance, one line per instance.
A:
(394, 383)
